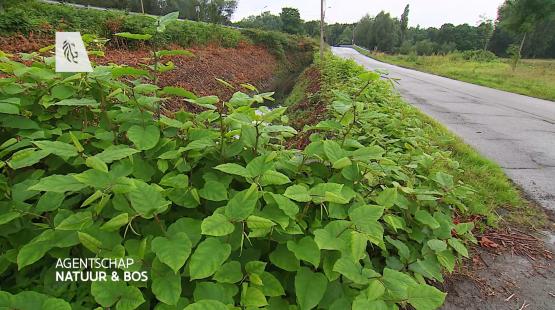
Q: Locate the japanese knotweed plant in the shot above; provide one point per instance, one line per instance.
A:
(213, 206)
(158, 66)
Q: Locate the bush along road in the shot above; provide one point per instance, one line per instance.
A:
(496, 278)
(512, 129)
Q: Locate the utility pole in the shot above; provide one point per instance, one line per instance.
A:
(322, 17)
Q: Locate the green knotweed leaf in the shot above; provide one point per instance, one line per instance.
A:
(96, 163)
(213, 291)
(8, 217)
(165, 53)
(271, 286)
(287, 206)
(91, 243)
(297, 193)
(32, 300)
(206, 305)
(397, 283)
(144, 138)
(109, 293)
(178, 91)
(78, 102)
(173, 250)
(333, 151)
(426, 218)
(387, 197)
(189, 226)
(217, 225)
(115, 152)
(437, 245)
(363, 304)
(429, 267)
(57, 148)
(134, 36)
(253, 297)
(200, 144)
(447, 260)
(128, 71)
(305, 249)
(32, 252)
(208, 258)
(259, 165)
(242, 204)
(425, 297)
(147, 200)
(213, 191)
(257, 222)
(235, 169)
(444, 179)
(402, 249)
(310, 288)
(284, 259)
(116, 222)
(76, 221)
(9, 106)
(229, 272)
(272, 177)
(166, 284)
(26, 158)
(366, 213)
(330, 192)
(458, 246)
(166, 20)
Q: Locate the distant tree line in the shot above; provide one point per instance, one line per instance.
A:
(213, 11)
(525, 25)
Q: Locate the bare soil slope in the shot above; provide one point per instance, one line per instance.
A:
(245, 64)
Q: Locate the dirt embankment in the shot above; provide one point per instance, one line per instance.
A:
(309, 110)
(245, 64)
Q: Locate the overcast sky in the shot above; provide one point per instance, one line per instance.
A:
(425, 13)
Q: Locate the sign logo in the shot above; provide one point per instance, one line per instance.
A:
(69, 51)
(71, 55)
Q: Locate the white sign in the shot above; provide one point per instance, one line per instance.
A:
(71, 55)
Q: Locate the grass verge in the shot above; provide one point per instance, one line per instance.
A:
(535, 78)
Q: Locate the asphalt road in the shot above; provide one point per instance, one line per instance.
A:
(518, 132)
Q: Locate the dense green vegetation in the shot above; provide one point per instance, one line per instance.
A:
(213, 11)
(212, 205)
(386, 33)
(31, 16)
(216, 207)
(534, 78)
(494, 191)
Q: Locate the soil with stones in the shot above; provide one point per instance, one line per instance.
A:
(508, 271)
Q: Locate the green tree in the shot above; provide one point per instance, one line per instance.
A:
(404, 24)
(425, 47)
(522, 16)
(346, 36)
(291, 20)
(485, 29)
(363, 32)
(384, 32)
(266, 21)
(312, 28)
